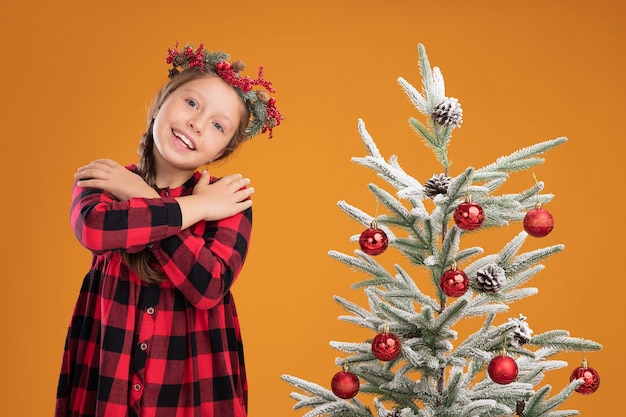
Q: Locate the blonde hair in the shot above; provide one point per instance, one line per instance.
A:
(141, 262)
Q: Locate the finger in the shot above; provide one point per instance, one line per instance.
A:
(84, 167)
(107, 162)
(94, 166)
(91, 183)
(244, 205)
(239, 183)
(91, 172)
(244, 194)
(229, 179)
(205, 178)
(102, 163)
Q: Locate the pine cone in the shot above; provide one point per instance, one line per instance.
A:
(437, 184)
(180, 60)
(490, 278)
(263, 96)
(238, 66)
(271, 122)
(519, 408)
(394, 413)
(172, 73)
(522, 333)
(448, 113)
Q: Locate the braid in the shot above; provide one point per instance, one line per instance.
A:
(146, 166)
(141, 262)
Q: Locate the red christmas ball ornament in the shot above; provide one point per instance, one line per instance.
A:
(454, 282)
(469, 216)
(373, 240)
(590, 377)
(502, 369)
(538, 222)
(345, 384)
(386, 346)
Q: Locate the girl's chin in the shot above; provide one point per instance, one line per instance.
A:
(176, 162)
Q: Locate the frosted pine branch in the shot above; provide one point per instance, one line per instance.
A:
(436, 139)
(524, 158)
(534, 364)
(394, 205)
(414, 96)
(397, 178)
(561, 340)
(305, 401)
(458, 187)
(347, 347)
(310, 387)
(502, 393)
(424, 131)
(483, 340)
(484, 407)
(432, 80)
(451, 315)
(562, 413)
(527, 259)
(520, 278)
(353, 308)
(368, 141)
(356, 214)
(465, 254)
(410, 290)
(449, 249)
(363, 263)
(510, 249)
(324, 401)
(540, 406)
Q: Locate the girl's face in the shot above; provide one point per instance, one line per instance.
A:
(194, 124)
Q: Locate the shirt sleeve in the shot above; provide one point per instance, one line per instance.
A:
(204, 260)
(102, 224)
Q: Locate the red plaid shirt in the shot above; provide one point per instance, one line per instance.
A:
(171, 349)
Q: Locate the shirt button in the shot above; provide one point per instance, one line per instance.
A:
(137, 387)
(167, 194)
(150, 245)
(143, 346)
(150, 310)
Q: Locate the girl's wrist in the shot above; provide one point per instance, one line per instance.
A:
(193, 209)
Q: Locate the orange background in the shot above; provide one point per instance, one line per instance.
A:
(78, 78)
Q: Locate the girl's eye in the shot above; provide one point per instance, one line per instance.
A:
(192, 103)
(218, 126)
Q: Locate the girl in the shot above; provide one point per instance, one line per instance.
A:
(155, 330)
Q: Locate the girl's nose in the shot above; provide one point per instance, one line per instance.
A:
(196, 125)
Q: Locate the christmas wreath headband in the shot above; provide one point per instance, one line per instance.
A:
(264, 116)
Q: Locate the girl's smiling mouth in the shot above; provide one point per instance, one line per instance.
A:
(184, 139)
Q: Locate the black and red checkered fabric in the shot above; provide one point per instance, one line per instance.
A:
(170, 349)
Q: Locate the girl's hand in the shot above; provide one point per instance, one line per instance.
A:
(108, 175)
(223, 198)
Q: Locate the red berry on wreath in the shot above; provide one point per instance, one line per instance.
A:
(469, 216)
(538, 222)
(373, 240)
(345, 384)
(590, 377)
(454, 282)
(386, 346)
(503, 369)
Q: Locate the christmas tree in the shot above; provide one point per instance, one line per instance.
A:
(416, 365)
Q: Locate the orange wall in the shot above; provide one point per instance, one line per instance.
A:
(78, 78)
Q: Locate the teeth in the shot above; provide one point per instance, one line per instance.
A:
(184, 139)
